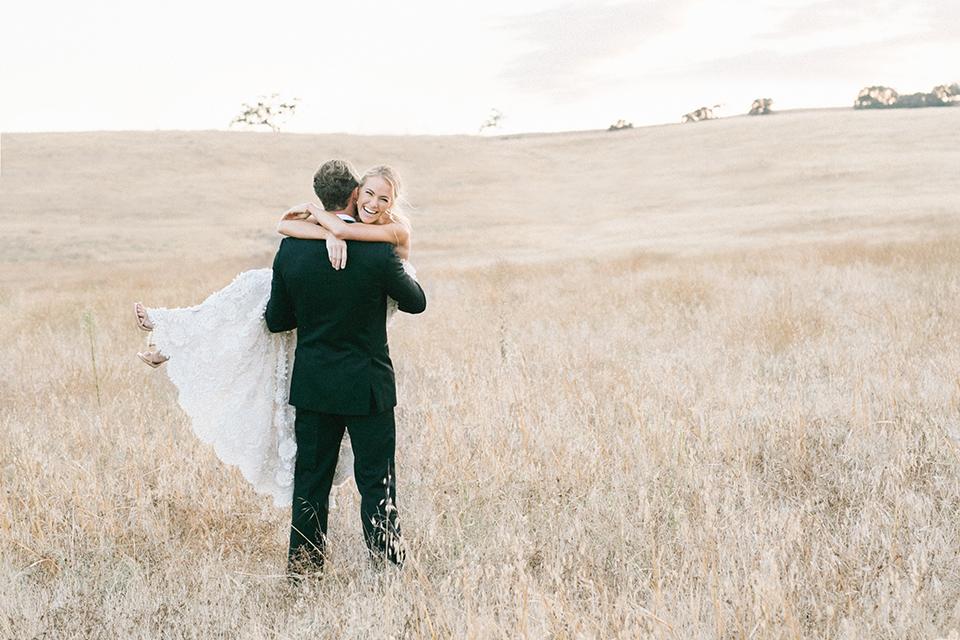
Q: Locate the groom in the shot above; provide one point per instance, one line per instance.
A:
(342, 375)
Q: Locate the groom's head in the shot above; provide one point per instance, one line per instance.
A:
(334, 183)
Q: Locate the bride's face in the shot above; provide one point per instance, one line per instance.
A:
(375, 199)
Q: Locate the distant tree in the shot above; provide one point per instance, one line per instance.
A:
(620, 124)
(761, 107)
(879, 97)
(917, 100)
(492, 121)
(703, 113)
(876, 97)
(947, 93)
(270, 111)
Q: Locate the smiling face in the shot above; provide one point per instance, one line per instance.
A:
(374, 199)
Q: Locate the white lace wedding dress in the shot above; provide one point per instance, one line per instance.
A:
(233, 378)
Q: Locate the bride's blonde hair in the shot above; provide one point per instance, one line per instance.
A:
(388, 173)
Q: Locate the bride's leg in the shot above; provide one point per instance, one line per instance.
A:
(143, 320)
(153, 358)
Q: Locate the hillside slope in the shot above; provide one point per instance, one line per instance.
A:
(787, 178)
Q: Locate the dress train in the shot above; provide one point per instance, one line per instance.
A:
(233, 379)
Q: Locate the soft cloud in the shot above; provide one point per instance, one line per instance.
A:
(918, 22)
(831, 16)
(569, 42)
(939, 19)
(859, 41)
(819, 64)
(943, 20)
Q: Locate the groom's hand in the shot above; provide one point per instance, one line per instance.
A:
(337, 251)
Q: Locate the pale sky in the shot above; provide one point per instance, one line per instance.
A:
(440, 67)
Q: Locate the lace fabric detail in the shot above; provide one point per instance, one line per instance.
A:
(233, 379)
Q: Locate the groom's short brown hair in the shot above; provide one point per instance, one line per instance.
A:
(333, 183)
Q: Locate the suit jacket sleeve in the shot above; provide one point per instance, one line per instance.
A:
(402, 288)
(279, 313)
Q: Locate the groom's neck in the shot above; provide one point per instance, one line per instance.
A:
(350, 211)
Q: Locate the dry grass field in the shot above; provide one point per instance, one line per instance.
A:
(689, 381)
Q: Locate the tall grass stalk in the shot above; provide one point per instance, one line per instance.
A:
(88, 323)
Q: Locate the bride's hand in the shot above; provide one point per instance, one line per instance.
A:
(337, 251)
(299, 212)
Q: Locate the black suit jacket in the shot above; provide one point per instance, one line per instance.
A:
(342, 359)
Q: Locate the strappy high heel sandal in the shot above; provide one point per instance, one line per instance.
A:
(153, 358)
(143, 321)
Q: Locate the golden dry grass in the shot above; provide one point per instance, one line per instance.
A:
(699, 381)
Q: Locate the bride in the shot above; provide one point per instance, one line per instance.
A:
(232, 374)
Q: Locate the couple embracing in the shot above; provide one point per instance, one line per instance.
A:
(239, 367)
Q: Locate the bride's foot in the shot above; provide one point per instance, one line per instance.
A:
(143, 320)
(153, 358)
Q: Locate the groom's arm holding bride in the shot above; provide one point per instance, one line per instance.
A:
(279, 313)
(402, 287)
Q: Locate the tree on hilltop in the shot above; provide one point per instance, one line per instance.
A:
(916, 100)
(876, 97)
(269, 111)
(947, 93)
(879, 97)
(761, 107)
(703, 113)
(492, 121)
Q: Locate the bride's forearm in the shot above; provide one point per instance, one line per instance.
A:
(395, 234)
(330, 222)
(302, 229)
